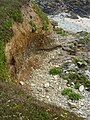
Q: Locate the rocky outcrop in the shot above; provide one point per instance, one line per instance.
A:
(78, 7)
(21, 50)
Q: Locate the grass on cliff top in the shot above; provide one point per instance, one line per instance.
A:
(16, 104)
(42, 16)
(9, 12)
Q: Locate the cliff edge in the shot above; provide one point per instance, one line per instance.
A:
(23, 27)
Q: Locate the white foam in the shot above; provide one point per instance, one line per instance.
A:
(72, 25)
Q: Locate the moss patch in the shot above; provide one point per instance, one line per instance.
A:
(55, 71)
(71, 94)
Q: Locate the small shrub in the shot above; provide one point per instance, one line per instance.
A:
(71, 94)
(86, 39)
(81, 63)
(55, 71)
(45, 26)
(17, 16)
(85, 34)
(77, 85)
(74, 76)
(77, 78)
(71, 46)
(3, 72)
(6, 31)
(87, 84)
(78, 36)
(61, 32)
(67, 91)
(74, 96)
(33, 26)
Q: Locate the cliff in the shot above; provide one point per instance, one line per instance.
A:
(31, 56)
(24, 27)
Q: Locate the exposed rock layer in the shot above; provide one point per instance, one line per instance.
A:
(21, 49)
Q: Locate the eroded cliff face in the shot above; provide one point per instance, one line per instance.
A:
(21, 51)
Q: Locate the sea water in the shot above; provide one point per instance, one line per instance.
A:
(72, 25)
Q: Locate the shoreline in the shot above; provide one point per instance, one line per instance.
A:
(71, 25)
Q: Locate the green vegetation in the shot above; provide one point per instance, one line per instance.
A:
(42, 16)
(87, 84)
(17, 16)
(71, 94)
(86, 39)
(77, 36)
(78, 80)
(76, 77)
(3, 71)
(33, 26)
(16, 104)
(74, 96)
(55, 71)
(77, 85)
(81, 63)
(71, 45)
(9, 12)
(61, 32)
(67, 91)
(85, 33)
(85, 36)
